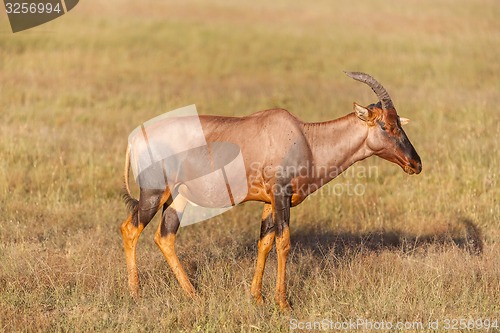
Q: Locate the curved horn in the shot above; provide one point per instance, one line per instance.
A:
(377, 88)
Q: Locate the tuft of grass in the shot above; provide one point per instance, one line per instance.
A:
(407, 249)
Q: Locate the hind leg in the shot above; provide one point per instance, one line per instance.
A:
(131, 230)
(165, 239)
(132, 227)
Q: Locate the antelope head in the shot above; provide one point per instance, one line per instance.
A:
(386, 137)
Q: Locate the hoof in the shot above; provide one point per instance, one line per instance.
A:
(284, 305)
(259, 300)
(135, 294)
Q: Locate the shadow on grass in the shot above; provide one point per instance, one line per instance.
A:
(344, 243)
(465, 235)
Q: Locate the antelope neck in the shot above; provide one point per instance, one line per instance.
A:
(337, 144)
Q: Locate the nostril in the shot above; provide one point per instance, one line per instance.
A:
(418, 167)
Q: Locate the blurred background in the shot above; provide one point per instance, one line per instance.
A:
(73, 89)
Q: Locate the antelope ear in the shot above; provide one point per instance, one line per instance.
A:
(362, 112)
(403, 120)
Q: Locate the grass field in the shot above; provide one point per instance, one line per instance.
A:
(405, 250)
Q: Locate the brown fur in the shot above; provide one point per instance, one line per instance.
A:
(288, 161)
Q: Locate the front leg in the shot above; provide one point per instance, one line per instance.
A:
(281, 216)
(267, 231)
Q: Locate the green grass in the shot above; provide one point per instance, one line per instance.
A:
(72, 90)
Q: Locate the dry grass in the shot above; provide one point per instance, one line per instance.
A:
(72, 90)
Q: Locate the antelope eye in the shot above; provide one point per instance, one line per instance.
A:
(396, 131)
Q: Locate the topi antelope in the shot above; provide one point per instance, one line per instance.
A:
(281, 166)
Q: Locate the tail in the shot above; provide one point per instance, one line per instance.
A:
(130, 201)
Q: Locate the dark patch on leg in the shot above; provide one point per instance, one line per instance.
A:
(145, 216)
(283, 219)
(281, 216)
(150, 199)
(135, 218)
(267, 226)
(149, 203)
(170, 220)
(281, 207)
